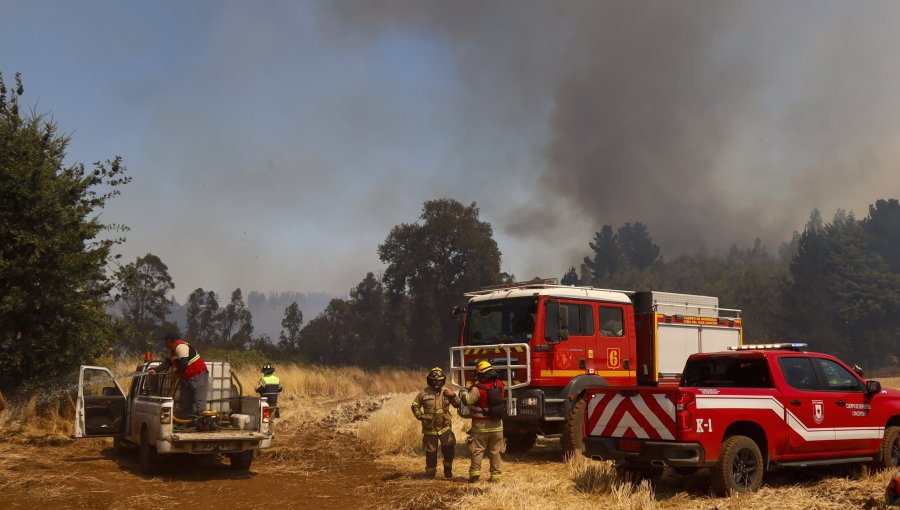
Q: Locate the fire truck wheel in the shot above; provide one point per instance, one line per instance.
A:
(517, 444)
(890, 449)
(572, 441)
(740, 467)
(149, 461)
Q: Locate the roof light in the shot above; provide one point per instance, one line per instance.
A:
(770, 347)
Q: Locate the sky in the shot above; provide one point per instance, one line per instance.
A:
(273, 145)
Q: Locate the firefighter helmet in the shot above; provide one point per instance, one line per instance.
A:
(436, 378)
(484, 371)
(268, 368)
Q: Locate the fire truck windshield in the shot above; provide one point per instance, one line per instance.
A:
(506, 321)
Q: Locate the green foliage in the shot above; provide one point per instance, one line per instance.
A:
(238, 358)
(844, 292)
(431, 264)
(236, 322)
(53, 255)
(141, 289)
(289, 339)
(570, 278)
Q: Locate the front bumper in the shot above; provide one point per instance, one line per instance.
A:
(669, 453)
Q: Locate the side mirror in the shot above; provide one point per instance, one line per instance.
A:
(456, 312)
(873, 387)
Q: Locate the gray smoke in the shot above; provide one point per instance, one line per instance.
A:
(712, 122)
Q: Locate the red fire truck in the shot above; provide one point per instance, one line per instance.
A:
(551, 342)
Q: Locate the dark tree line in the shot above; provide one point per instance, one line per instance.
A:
(833, 286)
(403, 317)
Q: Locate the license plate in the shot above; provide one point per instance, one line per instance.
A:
(630, 445)
(215, 447)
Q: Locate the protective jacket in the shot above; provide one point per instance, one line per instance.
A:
(432, 408)
(476, 398)
(187, 365)
(270, 387)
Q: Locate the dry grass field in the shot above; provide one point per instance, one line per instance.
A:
(345, 433)
(542, 479)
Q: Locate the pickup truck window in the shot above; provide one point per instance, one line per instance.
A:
(837, 377)
(727, 372)
(799, 373)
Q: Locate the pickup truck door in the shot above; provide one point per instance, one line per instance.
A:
(100, 409)
(807, 409)
(847, 408)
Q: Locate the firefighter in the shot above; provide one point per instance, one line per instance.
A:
(269, 387)
(486, 433)
(432, 407)
(194, 376)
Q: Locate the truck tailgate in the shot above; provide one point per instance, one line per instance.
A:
(221, 435)
(638, 413)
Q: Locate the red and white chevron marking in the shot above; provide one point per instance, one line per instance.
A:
(643, 416)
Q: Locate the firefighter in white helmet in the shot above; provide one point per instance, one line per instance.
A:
(432, 407)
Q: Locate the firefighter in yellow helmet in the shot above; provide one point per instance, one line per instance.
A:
(269, 386)
(432, 407)
(487, 403)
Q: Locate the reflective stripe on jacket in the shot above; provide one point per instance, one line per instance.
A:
(432, 408)
(195, 364)
(270, 387)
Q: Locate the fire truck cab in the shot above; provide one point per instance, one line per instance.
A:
(551, 342)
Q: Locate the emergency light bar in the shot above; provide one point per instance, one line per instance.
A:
(761, 347)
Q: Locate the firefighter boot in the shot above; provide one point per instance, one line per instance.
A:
(448, 452)
(430, 464)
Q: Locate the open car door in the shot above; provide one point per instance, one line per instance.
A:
(100, 410)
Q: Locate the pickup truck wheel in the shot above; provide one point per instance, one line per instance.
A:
(635, 475)
(517, 444)
(740, 467)
(572, 441)
(890, 449)
(149, 461)
(241, 461)
(119, 448)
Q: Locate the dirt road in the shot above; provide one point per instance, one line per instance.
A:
(310, 466)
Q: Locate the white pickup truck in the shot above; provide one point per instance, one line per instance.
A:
(235, 425)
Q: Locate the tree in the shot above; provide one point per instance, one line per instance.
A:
(607, 257)
(236, 315)
(433, 263)
(141, 290)
(289, 339)
(636, 245)
(571, 277)
(203, 318)
(54, 289)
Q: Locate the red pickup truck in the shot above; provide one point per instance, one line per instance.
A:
(742, 412)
